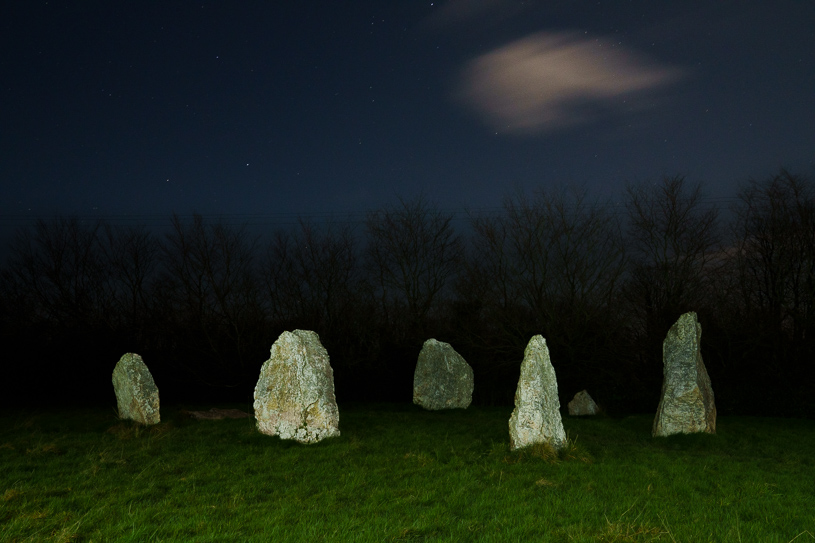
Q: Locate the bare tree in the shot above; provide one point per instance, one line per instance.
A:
(311, 275)
(550, 265)
(673, 242)
(62, 294)
(413, 252)
(775, 256)
(131, 256)
(313, 280)
(211, 285)
(59, 266)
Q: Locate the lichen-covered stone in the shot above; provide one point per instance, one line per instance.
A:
(582, 404)
(536, 417)
(294, 396)
(687, 404)
(443, 379)
(136, 392)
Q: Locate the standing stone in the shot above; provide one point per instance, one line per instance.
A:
(687, 404)
(582, 404)
(536, 417)
(136, 392)
(294, 396)
(443, 380)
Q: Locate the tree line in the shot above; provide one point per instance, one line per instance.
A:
(204, 301)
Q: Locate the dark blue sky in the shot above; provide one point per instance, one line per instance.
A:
(142, 109)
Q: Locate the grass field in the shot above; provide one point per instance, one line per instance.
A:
(399, 473)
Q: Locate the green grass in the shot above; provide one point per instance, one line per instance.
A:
(399, 473)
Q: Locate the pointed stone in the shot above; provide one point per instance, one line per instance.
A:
(294, 396)
(687, 404)
(582, 404)
(136, 392)
(443, 379)
(536, 417)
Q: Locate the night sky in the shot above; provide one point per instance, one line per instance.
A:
(269, 110)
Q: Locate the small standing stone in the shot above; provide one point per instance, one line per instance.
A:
(294, 396)
(136, 392)
(582, 404)
(687, 405)
(536, 417)
(443, 379)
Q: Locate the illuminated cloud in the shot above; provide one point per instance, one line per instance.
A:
(549, 81)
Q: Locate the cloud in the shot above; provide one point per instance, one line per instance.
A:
(549, 81)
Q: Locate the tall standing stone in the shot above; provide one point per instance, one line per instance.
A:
(294, 396)
(443, 379)
(536, 417)
(136, 392)
(687, 405)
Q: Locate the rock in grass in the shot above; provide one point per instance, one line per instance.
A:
(443, 379)
(536, 417)
(294, 396)
(582, 404)
(136, 392)
(687, 405)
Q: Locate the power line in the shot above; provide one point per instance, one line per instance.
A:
(267, 218)
(282, 218)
